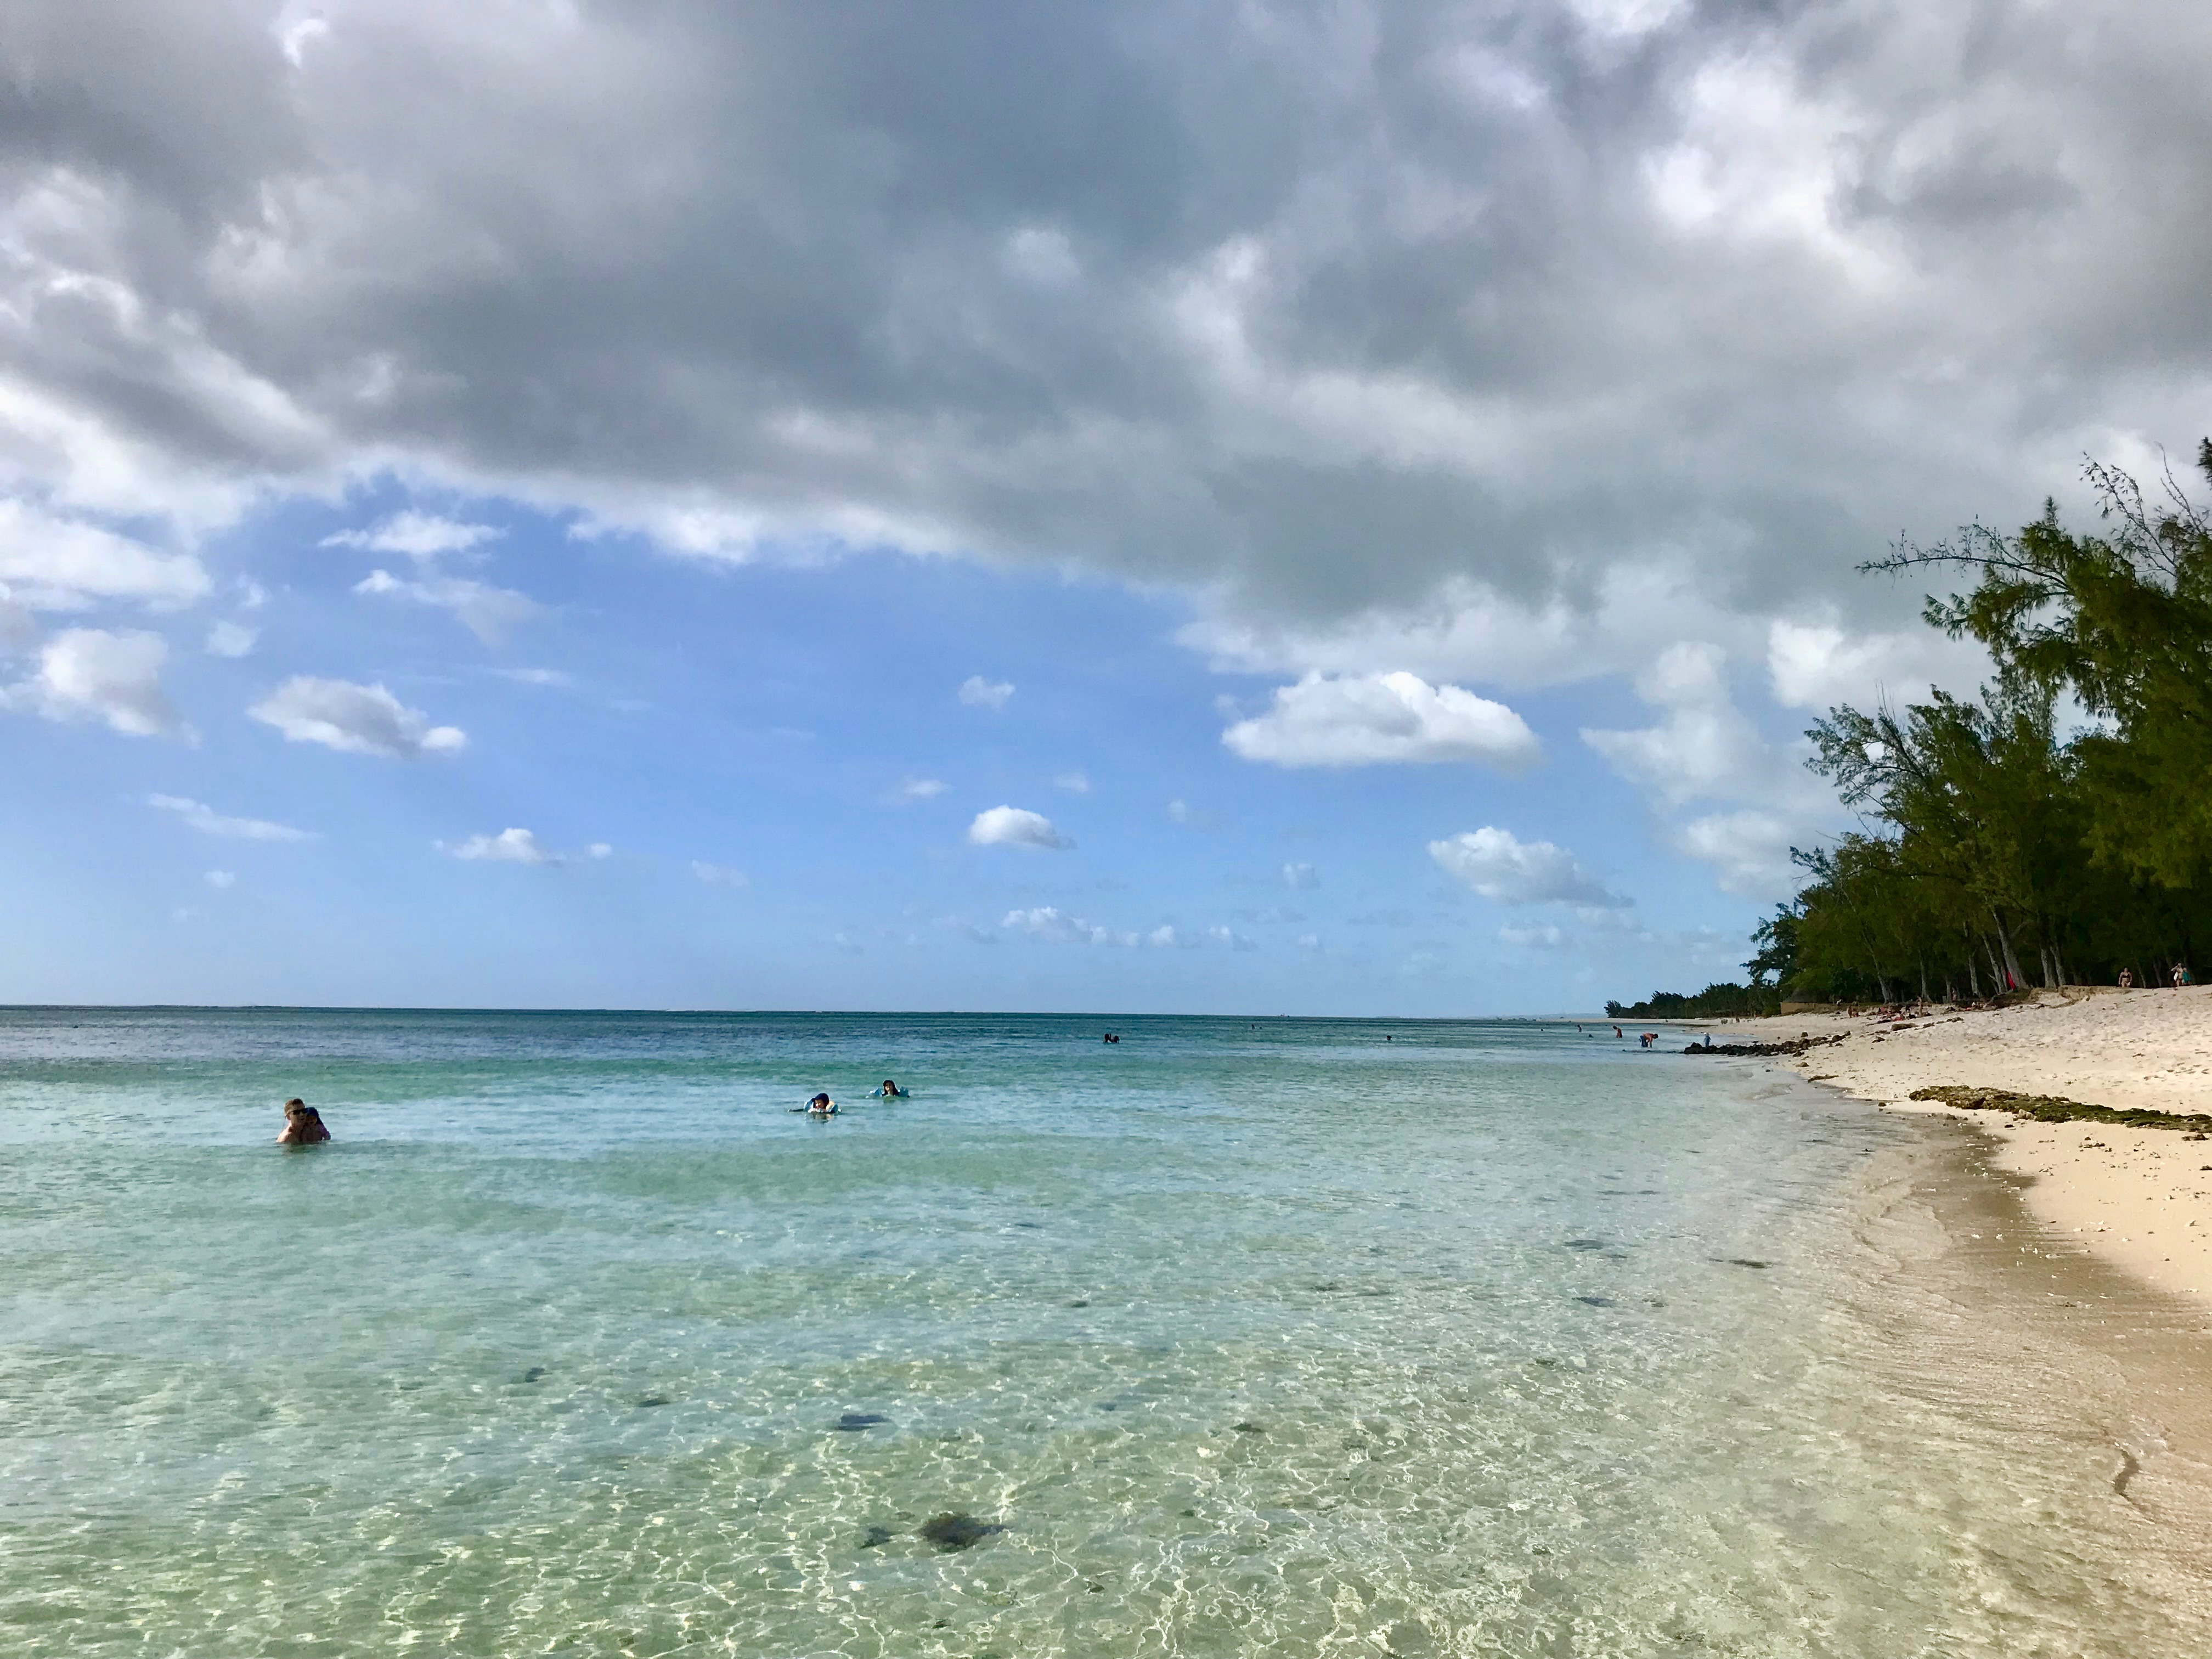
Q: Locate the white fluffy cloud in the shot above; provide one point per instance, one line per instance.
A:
(209, 822)
(1704, 749)
(418, 535)
(1050, 923)
(357, 720)
(59, 564)
(1301, 876)
(90, 674)
(230, 639)
(1499, 865)
(977, 692)
(509, 846)
(1817, 666)
(488, 612)
(1015, 826)
(1368, 719)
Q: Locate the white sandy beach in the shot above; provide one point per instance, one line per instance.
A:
(2141, 1199)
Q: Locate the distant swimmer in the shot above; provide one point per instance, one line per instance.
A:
(891, 1091)
(1616, 1031)
(821, 1106)
(303, 1126)
(1111, 1036)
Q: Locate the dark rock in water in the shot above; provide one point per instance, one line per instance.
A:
(1746, 1261)
(877, 1536)
(1585, 1243)
(1595, 1300)
(853, 1422)
(948, 1531)
(655, 1400)
(1084, 1302)
(533, 1373)
(1248, 1428)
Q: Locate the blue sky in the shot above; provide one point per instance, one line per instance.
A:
(781, 767)
(1251, 508)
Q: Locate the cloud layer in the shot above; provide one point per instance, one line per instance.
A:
(1321, 310)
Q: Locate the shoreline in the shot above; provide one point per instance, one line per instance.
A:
(2138, 1199)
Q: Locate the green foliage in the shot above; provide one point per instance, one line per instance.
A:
(1718, 1001)
(1990, 842)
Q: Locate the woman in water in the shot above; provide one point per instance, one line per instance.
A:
(822, 1106)
(303, 1125)
(891, 1091)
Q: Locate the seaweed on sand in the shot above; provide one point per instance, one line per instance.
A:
(2053, 1109)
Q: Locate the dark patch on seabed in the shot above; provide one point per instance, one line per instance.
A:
(855, 1422)
(952, 1531)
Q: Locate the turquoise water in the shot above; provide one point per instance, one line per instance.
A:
(1255, 1338)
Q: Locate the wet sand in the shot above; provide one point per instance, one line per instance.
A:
(2138, 1199)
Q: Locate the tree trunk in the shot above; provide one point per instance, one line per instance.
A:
(1973, 973)
(2014, 980)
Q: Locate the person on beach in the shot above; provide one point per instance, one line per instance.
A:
(2181, 975)
(303, 1125)
(2127, 978)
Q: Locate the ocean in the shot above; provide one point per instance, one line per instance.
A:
(1239, 1337)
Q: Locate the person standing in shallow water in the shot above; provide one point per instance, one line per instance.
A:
(303, 1125)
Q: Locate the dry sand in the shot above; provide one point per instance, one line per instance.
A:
(2141, 1199)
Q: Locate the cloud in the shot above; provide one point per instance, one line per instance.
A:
(1013, 826)
(1370, 719)
(977, 692)
(1819, 666)
(419, 535)
(537, 676)
(1750, 849)
(356, 719)
(209, 822)
(719, 875)
(491, 613)
(52, 563)
(1300, 877)
(1498, 865)
(220, 878)
(1076, 783)
(1543, 937)
(89, 674)
(1704, 748)
(230, 639)
(1049, 923)
(507, 847)
(915, 789)
(1178, 811)
(1411, 338)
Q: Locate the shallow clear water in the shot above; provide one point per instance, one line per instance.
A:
(1255, 1338)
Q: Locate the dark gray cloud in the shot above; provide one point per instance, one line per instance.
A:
(1326, 311)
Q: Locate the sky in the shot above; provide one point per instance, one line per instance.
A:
(1317, 508)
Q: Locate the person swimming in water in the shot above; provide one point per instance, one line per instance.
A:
(822, 1106)
(303, 1125)
(891, 1091)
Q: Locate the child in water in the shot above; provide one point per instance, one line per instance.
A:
(303, 1125)
(821, 1105)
